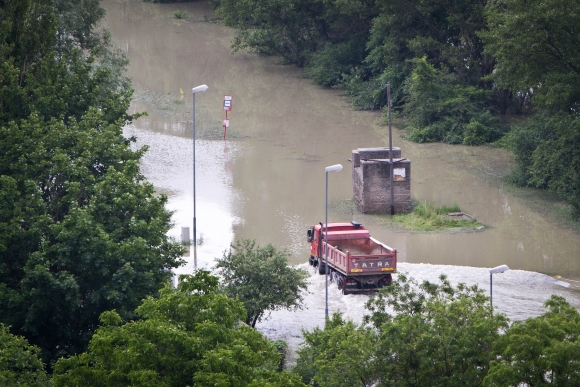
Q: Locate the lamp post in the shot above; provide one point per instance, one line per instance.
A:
(495, 270)
(391, 183)
(197, 89)
(332, 168)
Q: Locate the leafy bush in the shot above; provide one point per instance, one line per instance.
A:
(546, 150)
(440, 109)
(416, 334)
(189, 336)
(327, 66)
(261, 278)
(20, 363)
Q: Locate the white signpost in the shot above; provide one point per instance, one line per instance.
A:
(227, 108)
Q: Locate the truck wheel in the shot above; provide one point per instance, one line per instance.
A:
(321, 268)
(311, 260)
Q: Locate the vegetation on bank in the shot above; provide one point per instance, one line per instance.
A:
(455, 68)
(426, 217)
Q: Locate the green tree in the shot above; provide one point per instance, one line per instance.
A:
(81, 231)
(297, 29)
(541, 351)
(439, 335)
(46, 69)
(20, 364)
(261, 279)
(536, 48)
(341, 354)
(189, 336)
(546, 150)
(535, 44)
(428, 334)
(442, 31)
(440, 109)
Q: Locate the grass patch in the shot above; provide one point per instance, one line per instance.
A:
(426, 217)
(179, 14)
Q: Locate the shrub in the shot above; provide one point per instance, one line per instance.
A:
(440, 109)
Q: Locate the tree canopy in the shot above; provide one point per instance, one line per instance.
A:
(81, 231)
(189, 336)
(20, 364)
(428, 334)
(541, 351)
(261, 279)
(535, 44)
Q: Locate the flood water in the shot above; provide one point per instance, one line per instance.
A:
(267, 181)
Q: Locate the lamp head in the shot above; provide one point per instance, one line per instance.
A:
(333, 168)
(499, 269)
(199, 88)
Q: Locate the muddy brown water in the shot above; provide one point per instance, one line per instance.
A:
(267, 181)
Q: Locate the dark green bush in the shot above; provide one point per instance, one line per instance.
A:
(547, 155)
(327, 66)
(440, 109)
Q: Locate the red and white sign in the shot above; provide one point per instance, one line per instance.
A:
(228, 102)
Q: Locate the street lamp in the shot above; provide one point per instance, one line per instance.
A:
(197, 89)
(332, 168)
(495, 270)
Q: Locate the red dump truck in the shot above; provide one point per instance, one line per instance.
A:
(356, 261)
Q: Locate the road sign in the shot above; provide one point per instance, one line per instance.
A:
(228, 102)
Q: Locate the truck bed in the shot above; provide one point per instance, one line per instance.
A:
(362, 256)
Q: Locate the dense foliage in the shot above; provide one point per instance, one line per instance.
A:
(261, 279)
(453, 66)
(536, 48)
(81, 232)
(434, 334)
(189, 336)
(541, 351)
(20, 364)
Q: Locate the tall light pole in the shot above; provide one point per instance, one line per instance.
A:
(495, 270)
(197, 89)
(391, 183)
(332, 168)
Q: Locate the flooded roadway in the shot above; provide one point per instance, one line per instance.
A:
(267, 181)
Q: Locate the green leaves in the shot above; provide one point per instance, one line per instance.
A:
(428, 334)
(340, 354)
(189, 336)
(81, 232)
(540, 351)
(546, 150)
(20, 364)
(260, 278)
(440, 109)
(536, 48)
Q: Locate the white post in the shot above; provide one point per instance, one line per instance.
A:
(193, 91)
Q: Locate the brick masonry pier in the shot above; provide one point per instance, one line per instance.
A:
(371, 180)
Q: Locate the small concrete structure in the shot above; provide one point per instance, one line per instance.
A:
(371, 172)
